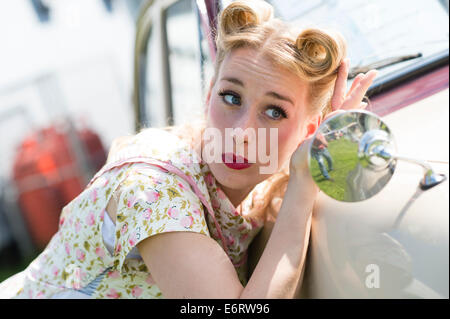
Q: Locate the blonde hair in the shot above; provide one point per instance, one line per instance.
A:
(314, 55)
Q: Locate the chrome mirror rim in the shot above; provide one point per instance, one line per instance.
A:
(368, 172)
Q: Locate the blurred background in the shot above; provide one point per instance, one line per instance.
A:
(66, 70)
(75, 74)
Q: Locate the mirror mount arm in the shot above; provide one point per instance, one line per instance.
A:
(430, 178)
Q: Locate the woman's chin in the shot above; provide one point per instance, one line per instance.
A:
(235, 178)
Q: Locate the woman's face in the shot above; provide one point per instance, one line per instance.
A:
(250, 93)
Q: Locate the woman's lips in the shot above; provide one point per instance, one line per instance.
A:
(234, 161)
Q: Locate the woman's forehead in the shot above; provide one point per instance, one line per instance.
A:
(251, 67)
(252, 63)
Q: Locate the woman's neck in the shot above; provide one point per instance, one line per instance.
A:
(236, 196)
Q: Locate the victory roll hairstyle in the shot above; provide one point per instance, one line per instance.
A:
(314, 55)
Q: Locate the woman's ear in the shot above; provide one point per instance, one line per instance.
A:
(312, 125)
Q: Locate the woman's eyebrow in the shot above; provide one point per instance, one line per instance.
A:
(272, 94)
(280, 97)
(234, 81)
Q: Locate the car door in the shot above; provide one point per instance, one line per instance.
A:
(173, 61)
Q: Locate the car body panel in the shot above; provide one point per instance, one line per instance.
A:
(399, 235)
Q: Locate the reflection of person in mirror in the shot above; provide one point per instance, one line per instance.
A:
(162, 221)
(319, 151)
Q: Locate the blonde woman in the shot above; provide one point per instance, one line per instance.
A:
(163, 219)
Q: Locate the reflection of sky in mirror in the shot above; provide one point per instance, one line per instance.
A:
(375, 29)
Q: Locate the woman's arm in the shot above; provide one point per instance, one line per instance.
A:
(191, 265)
(278, 271)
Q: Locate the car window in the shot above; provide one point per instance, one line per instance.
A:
(154, 113)
(376, 30)
(187, 60)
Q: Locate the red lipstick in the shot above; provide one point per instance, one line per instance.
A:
(234, 161)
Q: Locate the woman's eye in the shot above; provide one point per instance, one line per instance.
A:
(276, 113)
(229, 98)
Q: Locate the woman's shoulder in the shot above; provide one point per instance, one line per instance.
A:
(157, 143)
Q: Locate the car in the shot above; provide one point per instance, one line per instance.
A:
(394, 244)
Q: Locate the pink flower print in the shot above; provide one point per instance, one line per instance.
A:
(221, 194)
(118, 249)
(80, 255)
(102, 214)
(254, 223)
(156, 180)
(77, 226)
(215, 203)
(181, 186)
(197, 211)
(55, 271)
(106, 183)
(131, 201)
(173, 212)
(147, 213)
(67, 247)
(136, 291)
(149, 280)
(230, 240)
(242, 228)
(132, 240)
(209, 179)
(113, 274)
(61, 221)
(187, 221)
(100, 252)
(124, 228)
(40, 295)
(152, 196)
(94, 196)
(90, 219)
(236, 213)
(112, 293)
(186, 160)
(244, 237)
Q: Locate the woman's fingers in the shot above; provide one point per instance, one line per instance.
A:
(355, 97)
(340, 87)
(355, 82)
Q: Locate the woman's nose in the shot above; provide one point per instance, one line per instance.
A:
(245, 129)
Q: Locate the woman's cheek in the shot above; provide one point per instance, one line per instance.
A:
(284, 140)
(216, 115)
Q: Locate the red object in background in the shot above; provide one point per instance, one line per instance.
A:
(48, 176)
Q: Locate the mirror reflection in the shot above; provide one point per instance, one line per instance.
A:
(345, 159)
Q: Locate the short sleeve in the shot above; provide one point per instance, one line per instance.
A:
(153, 202)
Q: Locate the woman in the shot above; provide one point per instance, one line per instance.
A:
(160, 220)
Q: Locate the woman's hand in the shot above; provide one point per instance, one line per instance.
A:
(299, 168)
(343, 100)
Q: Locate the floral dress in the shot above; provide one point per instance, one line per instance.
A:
(164, 187)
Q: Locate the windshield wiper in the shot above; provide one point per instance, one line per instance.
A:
(354, 71)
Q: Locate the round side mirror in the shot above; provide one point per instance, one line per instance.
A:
(350, 156)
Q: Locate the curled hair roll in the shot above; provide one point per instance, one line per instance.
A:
(320, 53)
(243, 14)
